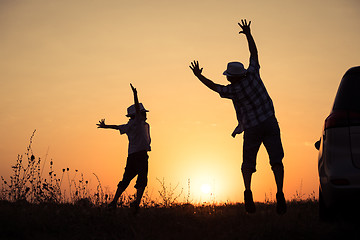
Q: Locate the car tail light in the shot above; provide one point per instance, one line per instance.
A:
(354, 118)
(342, 119)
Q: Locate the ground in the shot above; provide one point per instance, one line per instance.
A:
(80, 221)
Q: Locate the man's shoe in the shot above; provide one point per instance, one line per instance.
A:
(280, 203)
(249, 202)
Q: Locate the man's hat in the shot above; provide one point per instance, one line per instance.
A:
(235, 69)
(131, 111)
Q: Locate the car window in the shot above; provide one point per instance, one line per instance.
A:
(348, 97)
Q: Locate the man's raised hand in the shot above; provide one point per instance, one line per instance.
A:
(245, 27)
(195, 68)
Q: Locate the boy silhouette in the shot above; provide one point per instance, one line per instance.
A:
(138, 132)
(256, 118)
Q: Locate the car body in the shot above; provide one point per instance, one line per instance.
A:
(339, 148)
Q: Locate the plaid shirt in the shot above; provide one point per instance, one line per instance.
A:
(252, 102)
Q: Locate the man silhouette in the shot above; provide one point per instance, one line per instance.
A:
(256, 118)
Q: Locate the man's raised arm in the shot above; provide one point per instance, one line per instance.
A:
(246, 30)
(197, 72)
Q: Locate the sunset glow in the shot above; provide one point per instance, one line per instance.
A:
(205, 188)
(64, 65)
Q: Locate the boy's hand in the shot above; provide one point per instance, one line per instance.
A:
(245, 27)
(101, 123)
(195, 68)
(133, 89)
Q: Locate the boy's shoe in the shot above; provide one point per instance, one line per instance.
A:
(249, 202)
(280, 203)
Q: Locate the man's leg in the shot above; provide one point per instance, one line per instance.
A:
(252, 143)
(278, 171)
(273, 145)
(248, 198)
(276, 154)
(247, 174)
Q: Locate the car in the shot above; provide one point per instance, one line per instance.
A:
(339, 150)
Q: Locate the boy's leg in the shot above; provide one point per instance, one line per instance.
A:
(139, 194)
(120, 189)
(141, 181)
(135, 205)
(129, 174)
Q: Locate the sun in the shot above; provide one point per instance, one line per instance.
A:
(205, 188)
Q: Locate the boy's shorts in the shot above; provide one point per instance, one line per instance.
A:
(268, 133)
(137, 164)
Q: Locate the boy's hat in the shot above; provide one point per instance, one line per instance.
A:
(131, 111)
(235, 69)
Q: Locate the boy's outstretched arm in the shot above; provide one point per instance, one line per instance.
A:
(246, 30)
(102, 124)
(136, 100)
(197, 72)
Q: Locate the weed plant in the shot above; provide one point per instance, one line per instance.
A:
(168, 194)
(27, 183)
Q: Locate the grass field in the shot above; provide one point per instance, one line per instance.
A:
(22, 220)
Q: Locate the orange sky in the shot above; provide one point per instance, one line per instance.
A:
(64, 65)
